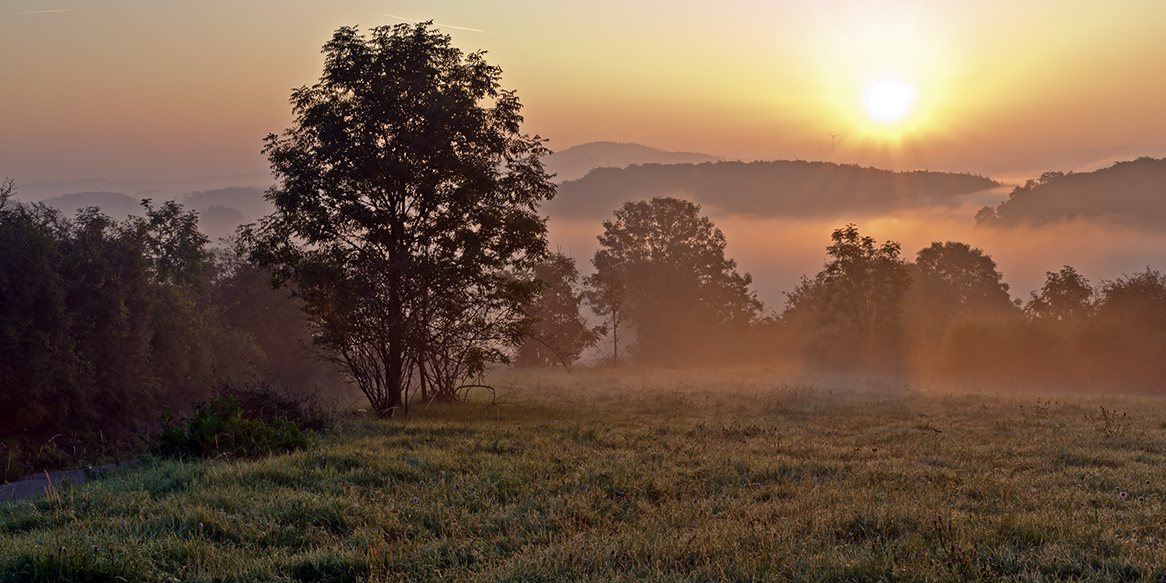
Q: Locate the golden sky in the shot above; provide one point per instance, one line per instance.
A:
(183, 89)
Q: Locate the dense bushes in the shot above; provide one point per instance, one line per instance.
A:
(105, 323)
(247, 421)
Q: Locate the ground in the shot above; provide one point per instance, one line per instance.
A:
(647, 475)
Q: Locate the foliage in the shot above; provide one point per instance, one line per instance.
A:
(859, 291)
(951, 283)
(618, 476)
(681, 290)
(561, 333)
(606, 291)
(962, 280)
(248, 421)
(1127, 191)
(102, 323)
(786, 188)
(1065, 296)
(275, 322)
(405, 191)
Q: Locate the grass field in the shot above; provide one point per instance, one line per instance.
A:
(646, 476)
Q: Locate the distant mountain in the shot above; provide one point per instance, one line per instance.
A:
(1131, 192)
(172, 189)
(796, 188)
(114, 204)
(248, 200)
(220, 211)
(575, 162)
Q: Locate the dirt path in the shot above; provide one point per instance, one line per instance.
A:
(37, 484)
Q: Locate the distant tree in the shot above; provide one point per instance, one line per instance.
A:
(953, 281)
(243, 297)
(405, 193)
(1066, 295)
(606, 292)
(561, 333)
(1138, 300)
(680, 287)
(860, 289)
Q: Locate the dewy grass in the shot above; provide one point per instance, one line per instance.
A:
(645, 476)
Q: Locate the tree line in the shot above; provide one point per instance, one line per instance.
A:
(107, 324)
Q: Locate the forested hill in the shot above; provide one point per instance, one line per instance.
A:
(576, 161)
(1130, 192)
(796, 188)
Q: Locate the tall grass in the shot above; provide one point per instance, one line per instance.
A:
(646, 475)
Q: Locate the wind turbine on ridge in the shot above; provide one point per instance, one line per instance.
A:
(832, 136)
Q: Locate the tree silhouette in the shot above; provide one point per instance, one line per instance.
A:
(860, 289)
(606, 292)
(560, 332)
(953, 282)
(405, 193)
(680, 287)
(1066, 295)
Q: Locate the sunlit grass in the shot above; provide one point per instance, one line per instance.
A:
(646, 476)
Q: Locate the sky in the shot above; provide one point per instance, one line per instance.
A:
(138, 89)
(141, 89)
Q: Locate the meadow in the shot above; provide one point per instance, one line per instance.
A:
(641, 475)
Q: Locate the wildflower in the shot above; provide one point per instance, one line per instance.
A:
(200, 525)
(457, 485)
(416, 499)
(1123, 495)
(95, 548)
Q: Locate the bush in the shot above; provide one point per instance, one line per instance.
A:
(244, 421)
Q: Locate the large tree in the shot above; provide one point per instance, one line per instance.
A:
(405, 193)
(679, 289)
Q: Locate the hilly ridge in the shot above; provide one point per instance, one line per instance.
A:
(783, 187)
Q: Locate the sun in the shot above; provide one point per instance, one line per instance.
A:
(889, 100)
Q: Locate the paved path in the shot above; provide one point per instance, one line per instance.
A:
(36, 484)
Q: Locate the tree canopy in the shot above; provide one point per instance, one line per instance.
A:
(678, 285)
(860, 289)
(953, 281)
(405, 192)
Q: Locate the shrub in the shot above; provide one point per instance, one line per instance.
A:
(245, 421)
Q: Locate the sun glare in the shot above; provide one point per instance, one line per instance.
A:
(889, 100)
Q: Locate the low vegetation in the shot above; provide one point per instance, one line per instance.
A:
(643, 475)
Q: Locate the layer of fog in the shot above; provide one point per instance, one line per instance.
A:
(777, 251)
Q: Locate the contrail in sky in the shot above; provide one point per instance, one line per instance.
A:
(435, 23)
(37, 12)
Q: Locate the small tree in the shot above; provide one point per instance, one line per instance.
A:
(606, 292)
(405, 193)
(560, 332)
